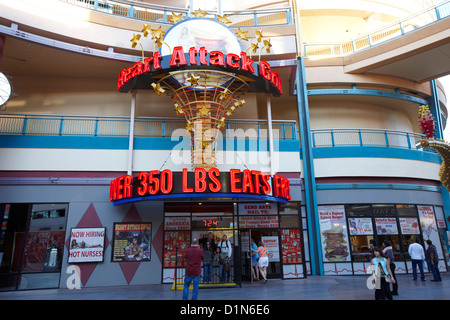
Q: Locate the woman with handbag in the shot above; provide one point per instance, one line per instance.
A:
(382, 274)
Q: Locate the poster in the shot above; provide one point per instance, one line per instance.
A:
(386, 225)
(258, 209)
(38, 254)
(360, 226)
(333, 233)
(272, 245)
(131, 242)
(86, 245)
(409, 225)
(429, 228)
(177, 223)
(291, 250)
(255, 222)
(175, 245)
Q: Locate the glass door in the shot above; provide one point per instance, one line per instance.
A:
(244, 240)
(270, 239)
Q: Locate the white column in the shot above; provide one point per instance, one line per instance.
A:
(269, 127)
(131, 133)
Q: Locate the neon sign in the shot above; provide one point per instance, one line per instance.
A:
(156, 184)
(200, 58)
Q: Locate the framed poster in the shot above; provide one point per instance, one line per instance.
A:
(131, 242)
(86, 245)
(333, 233)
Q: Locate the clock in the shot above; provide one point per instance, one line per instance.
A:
(5, 91)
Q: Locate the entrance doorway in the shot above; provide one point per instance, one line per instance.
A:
(270, 238)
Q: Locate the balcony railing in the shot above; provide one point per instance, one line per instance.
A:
(68, 125)
(162, 14)
(366, 138)
(423, 18)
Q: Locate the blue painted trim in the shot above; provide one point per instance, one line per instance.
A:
(388, 186)
(162, 197)
(375, 152)
(366, 92)
(312, 213)
(140, 143)
(433, 104)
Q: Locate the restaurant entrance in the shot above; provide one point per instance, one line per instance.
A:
(270, 239)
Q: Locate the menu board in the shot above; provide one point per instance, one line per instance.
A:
(386, 225)
(131, 242)
(291, 251)
(333, 233)
(172, 239)
(360, 226)
(409, 225)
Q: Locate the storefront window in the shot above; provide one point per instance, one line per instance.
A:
(32, 243)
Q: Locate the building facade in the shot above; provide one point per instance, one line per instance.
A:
(308, 139)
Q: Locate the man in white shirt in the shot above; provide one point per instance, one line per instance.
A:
(417, 255)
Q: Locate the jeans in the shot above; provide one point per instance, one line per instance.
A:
(224, 275)
(187, 283)
(207, 271)
(416, 263)
(434, 268)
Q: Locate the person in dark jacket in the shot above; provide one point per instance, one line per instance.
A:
(433, 261)
(207, 262)
(193, 256)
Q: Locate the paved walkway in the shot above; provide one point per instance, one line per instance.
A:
(312, 288)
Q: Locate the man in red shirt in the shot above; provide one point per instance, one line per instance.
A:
(194, 256)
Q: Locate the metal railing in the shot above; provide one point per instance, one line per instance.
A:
(366, 138)
(117, 126)
(162, 14)
(423, 18)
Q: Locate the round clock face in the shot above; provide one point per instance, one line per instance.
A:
(5, 89)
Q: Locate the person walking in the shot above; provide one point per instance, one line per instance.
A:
(263, 261)
(207, 262)
(417, 255)
(255, 258)
(382, 274)
(193, 256)
(389, 253)
(433, 261)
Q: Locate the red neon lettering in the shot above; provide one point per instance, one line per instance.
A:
(119, 187)
(200, 180)
(233, 61)
(247, 184)
(234, 180)
(256, 174)
(246, 64)
(112, 190)
(192, 53)
(153, 182)
(265, 182)
(136, 69)
(215, 185)
(147, 64)
(166, 181)
(157, 60)
(127, 186)
(216, 59)
(142, 190)
(264, 70)
(185, 182)
(178, 57)
(202, 53)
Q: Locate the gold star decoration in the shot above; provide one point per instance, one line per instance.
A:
(230, 111)
(242, 35)
(193, 80)
(224, 94)
(221, 123)
(258, 35)
(267, 45)
(239, 103)
(158, 89)
(135, 40)
(254, 47)
(223, 19)
(199, 13)
(157, 33)
(204, 112)
(189, 126)
(159, 41)
(176, 18)
(178, 109)
(146, 30)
